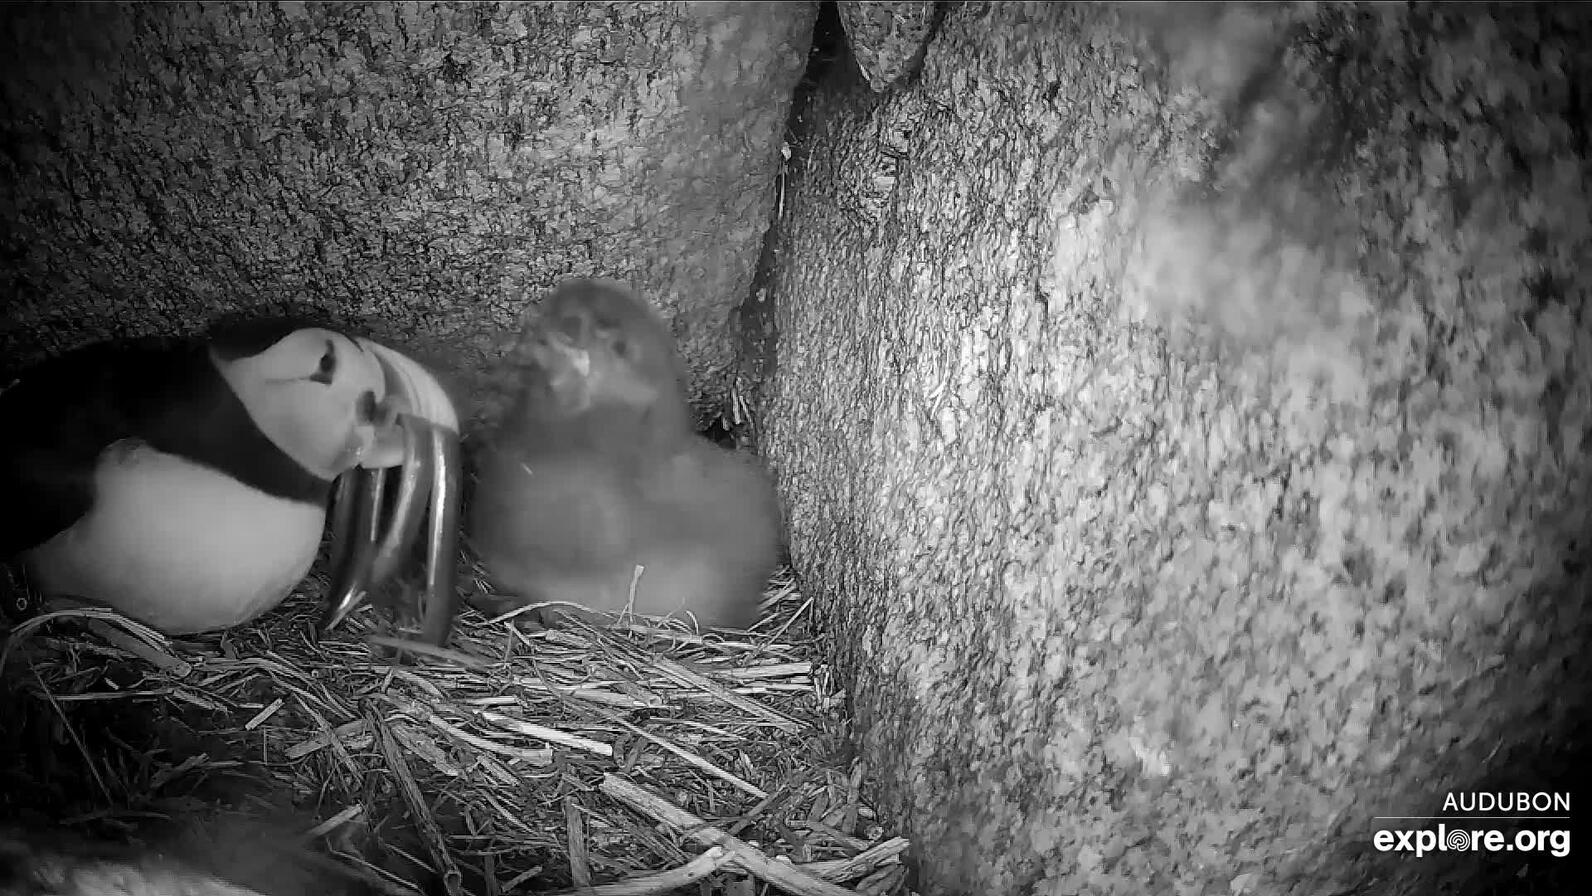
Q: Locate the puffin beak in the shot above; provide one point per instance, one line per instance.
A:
(386, 446)
(371, 535)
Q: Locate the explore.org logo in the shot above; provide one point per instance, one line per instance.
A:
(1494, 822)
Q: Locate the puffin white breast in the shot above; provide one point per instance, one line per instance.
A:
(178, 545)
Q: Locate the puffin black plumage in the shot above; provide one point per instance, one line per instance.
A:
(185, 482)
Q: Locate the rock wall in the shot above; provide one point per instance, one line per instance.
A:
(421, 170)
(1182, 413)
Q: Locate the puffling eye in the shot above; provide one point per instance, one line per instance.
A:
(328, 366)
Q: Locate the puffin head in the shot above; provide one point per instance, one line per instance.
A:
(321, 397)
(350, 409)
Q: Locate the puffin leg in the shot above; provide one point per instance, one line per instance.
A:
(414, 488)
(430, 477)
(432, 482)
(345, 494)
(351, 578)
(439, 597)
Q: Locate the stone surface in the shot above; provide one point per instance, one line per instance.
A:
(422, 170)
(887, 39)
(1182, 414)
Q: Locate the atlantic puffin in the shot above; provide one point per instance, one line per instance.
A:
(184, 481)
(597, 493)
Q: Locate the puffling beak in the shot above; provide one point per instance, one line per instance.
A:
(561, 359)
(578, 358)
(372, 535)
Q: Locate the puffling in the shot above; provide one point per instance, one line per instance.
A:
(184, 481)
(596, 494)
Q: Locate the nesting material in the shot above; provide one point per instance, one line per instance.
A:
(643, 758)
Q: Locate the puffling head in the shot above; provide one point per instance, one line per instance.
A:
(324, 399)
(596, 343)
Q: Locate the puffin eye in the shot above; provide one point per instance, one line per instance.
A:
(328, 366)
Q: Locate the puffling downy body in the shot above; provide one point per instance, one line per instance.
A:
(184, 482)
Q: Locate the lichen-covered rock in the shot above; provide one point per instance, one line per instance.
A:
(1185, 416)
(420, 169)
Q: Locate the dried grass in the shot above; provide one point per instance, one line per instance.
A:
(512, 762)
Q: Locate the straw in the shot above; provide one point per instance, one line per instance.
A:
(641, 758)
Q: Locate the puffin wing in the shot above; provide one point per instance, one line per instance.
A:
(58, 419)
